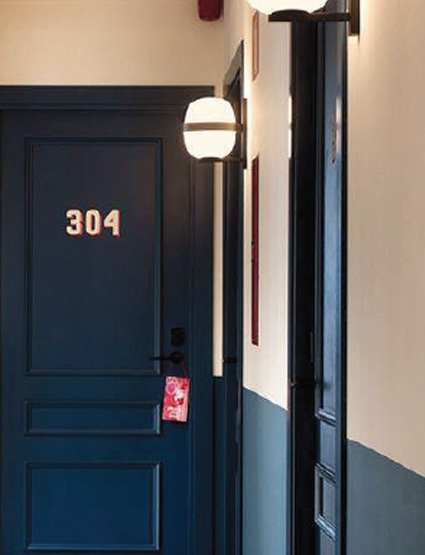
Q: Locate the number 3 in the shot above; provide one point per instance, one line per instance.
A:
(75, 226)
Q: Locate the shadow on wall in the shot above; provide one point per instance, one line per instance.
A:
(386, 505)
(264, 476)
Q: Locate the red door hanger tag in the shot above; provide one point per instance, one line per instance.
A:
(176, 398)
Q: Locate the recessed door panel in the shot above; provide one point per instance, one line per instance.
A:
(94, 298)
(85, 508)
(93, 418)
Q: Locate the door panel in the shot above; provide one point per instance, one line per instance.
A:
(94, 520)
(93, 302)
(87, 464)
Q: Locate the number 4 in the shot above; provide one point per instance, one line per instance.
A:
(112, 221)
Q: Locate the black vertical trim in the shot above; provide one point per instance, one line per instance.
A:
(233, 318)
(301, 289)
(344, 297)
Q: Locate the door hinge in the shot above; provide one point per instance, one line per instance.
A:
(312, 348)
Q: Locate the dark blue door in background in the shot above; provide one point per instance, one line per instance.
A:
(106, 244)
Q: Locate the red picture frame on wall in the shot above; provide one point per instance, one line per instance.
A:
(255, 259)
(255, 45)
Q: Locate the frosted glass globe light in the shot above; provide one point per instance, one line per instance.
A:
(270, 6)
(210, 128)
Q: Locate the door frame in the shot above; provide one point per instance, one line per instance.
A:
(172, 100)
(301, 294)
(304, 291)
(233, 321)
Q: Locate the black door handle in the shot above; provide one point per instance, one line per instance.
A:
(303, 384)
(230, 360)
(176, 357)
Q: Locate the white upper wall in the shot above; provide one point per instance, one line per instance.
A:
(386, 326)
(108, 42)
(265, 367)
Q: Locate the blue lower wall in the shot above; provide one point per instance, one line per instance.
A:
(264, 476)
(386, 506)
(386, 502)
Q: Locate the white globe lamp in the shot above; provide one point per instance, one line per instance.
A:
(210, 128)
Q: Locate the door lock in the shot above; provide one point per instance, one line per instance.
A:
(178, 337)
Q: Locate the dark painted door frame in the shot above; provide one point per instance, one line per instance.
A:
(301, 309)
(233, 218)
(168, 100)
(306, 292)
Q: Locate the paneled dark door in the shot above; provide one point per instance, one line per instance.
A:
(330, 295)
(318, 288)
(105, 247)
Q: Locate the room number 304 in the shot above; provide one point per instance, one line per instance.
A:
(93, 223)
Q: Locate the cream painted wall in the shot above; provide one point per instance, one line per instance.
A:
(386, 371)
(107, 42)
(266, 366)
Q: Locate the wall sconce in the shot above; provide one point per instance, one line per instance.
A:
(210, 130)
(308, 10)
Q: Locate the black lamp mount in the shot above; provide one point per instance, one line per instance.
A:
(352, 17)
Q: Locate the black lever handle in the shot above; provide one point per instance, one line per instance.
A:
(176, 357)
(303, 384)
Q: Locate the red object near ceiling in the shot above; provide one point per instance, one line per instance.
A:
(210, 10)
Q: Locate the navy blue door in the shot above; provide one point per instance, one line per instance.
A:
(99, 262)
(330, 273)
(318, 288)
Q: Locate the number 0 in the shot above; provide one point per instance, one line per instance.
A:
(93, 222)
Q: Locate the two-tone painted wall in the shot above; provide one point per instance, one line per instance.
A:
(265, 366)
(386, 273)
(386, 297)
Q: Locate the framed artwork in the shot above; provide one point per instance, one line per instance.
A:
(255, 45)
(255, 262)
